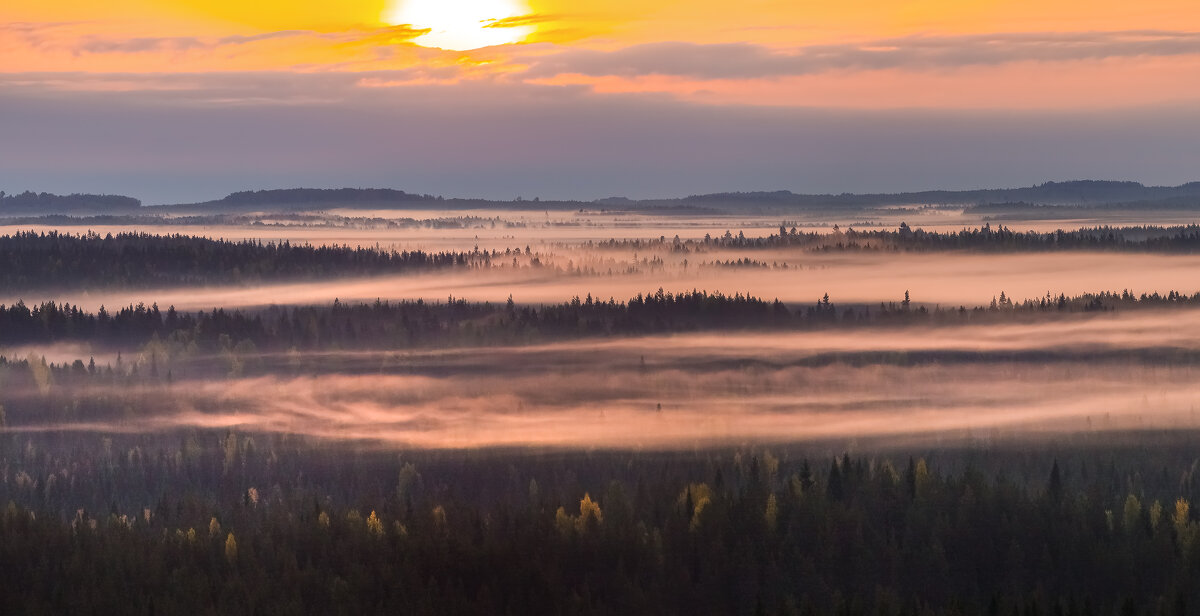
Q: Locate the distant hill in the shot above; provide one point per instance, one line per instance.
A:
(1075, 194)
(36, 204)
(308, 199)
(321, 196)
(1078, 192)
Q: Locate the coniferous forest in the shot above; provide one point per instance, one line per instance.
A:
(664, 437)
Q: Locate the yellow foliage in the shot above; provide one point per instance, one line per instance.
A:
(771, 515)
(1185, 530)
(588, 510)
(701, 496)
(921, 471)
(563, 522)
(231, 549)
(1182, 515)
(323, 520)
(1133, 512)
(374, 525)
(214, 527)
(589, 513)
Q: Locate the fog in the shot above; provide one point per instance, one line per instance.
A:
(731, 406)
(1079, 374)
(541, 229)
(58, 353)
(1047, 374)
(949, 280)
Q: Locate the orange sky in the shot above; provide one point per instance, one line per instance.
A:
(854, 53)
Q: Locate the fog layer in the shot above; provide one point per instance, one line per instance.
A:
(945, 279)
(1111, 372)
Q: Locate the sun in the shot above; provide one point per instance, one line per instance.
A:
(462, 24)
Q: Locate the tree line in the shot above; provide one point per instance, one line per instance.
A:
(51, 260)
(1155, 239)
(417, 323)
(238, 524)
(29, 202)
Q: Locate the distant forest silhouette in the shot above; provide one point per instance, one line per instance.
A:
(1069, 193)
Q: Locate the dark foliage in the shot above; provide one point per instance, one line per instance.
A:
(47, 203)
(54, 260)
(404, 324)
(320, 196)
(1177, 239)
(241, 524)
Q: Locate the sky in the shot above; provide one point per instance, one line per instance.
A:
(186, 100)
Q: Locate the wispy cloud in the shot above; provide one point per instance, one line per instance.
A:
(752, 61)
(187, 43)
(392, 48)
(391, 34)
(78, 39)
(518, 21)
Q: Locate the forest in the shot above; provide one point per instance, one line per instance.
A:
(999, 239)
(38, 261)
(456, 322)
(41, 260)
(683, 448)
(238, 524)
(31, 203)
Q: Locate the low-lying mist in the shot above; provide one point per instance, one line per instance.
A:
(945, 279)
(1047, 373)
(1109, 372)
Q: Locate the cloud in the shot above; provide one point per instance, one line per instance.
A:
(37, 35)
(751, 61)
(390, 34)
(700, 69)
(188, 43)
(143, 44)
(78, 38)
(518, 21)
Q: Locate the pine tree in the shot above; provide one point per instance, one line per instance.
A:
(1054, 488)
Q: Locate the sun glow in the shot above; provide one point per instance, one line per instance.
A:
(463, 24)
